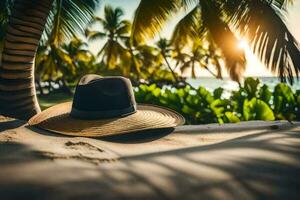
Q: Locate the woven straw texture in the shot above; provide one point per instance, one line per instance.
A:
(57, 119)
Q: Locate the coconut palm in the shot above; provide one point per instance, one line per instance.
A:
(213, 57)
(78, 51)
(63, 65)
(58, 20)
(54, 64)
(115, 31)
(199, 56)
(149, 60)
(260, 21)
(179, 56)
(50, 62)
(148, 56)
(164, 48)
(83, 59)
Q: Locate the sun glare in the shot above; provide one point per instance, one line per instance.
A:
(243, 44)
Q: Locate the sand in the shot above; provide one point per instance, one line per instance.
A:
(250, 160)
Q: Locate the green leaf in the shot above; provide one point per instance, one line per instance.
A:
(251, 86)
(205, 95)
(187, 110)
(256, 109)
(285, 91)
(218, 93)
(265, 94)
(182, 92)
(143, 88)
(152, 87)
(218, 106)
(156, 92)
(284, 102)
(232, 118)
(192, 100)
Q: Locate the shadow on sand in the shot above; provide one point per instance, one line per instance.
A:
(127, 138)
(12, 124)
(265, 165)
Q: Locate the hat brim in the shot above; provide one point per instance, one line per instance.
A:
(57, 119)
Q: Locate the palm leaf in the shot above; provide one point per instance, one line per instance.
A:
(94, 35)
(185, 67)
(187, 28)
(271, 40)
(111, 18)
(224, 38)
(150, 16)
(70, 17)
(124, 28)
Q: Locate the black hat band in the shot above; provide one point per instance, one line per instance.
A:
(81, 114)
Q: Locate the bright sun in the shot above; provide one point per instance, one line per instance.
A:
(243, 44)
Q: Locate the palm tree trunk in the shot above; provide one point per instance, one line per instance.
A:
(17, 86)
(40, 88)
(211, 72)
(219, 71)
(170, 68)
(193, 69)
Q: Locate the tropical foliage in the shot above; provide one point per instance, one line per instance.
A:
(206, 37)
(191, 46)
(222, 23)
(252, 101)
(115, 32)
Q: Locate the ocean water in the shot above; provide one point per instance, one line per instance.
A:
(228, 85)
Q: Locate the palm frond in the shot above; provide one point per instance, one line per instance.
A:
(74, 16)
(97, 19)
(271, 40)
(281, 4)
(103, 49)
(124, 28)
(187, 28)
(189, 3)
(94, 35)
(113, 52)
(224, 38)
(185, 67)
(150, 16)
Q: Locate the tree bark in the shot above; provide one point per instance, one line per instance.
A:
(17, 86)
(193, 69)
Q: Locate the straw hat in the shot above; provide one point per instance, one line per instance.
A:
(104, 106)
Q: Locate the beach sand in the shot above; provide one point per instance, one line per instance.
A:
(249, 160)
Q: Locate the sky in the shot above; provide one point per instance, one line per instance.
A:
(254, 66)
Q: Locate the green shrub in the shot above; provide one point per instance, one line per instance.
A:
(252, 101)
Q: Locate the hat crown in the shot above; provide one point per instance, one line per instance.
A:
(99, 97)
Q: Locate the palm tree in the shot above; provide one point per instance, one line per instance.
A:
(58, 20)
(55, 64)
(213, 57)
(78, 51)
(203, 57)
(115, 31)
(260, 21)
(164, 48)
(148, 56)
(149, 61)
(65, 63)
(179, 56)
(83, 59)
